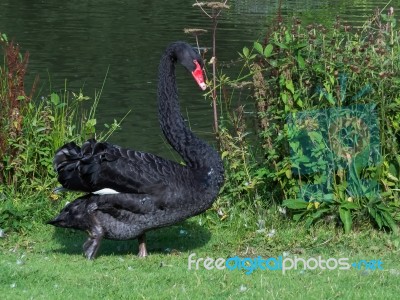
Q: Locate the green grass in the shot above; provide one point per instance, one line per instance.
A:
(48, 263)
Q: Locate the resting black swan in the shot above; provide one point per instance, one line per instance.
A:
(147, 191)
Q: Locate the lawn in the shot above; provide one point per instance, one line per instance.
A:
(48, 263)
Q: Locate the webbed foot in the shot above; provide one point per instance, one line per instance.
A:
(142, 246)
(92, 245)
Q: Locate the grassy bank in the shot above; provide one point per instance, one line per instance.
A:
(48, 264)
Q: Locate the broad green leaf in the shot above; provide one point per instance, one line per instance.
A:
(392, 177)
(345, 216)
(300, 61)
(4, 37)
(349, 205)
(375, 216)
(297, 217)
(309, 221)
(294, 145)
(328, 198)
(300, 103)
(303, 159)
(224, 154)
(280, 45)
(295, 204)
(54, 98)
(258, 47)
(390, 222)
(301, 46)
(246, 51)
(268, 50)
(330, 99)
(289, 85)
(288, 37)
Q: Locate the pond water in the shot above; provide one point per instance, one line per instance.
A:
(77, 41)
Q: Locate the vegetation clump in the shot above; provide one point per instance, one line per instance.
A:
(30, 133)
(326, 142)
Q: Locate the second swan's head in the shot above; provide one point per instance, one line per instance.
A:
(191, 60)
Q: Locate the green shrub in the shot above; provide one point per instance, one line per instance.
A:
(327, 102)
(32, 130)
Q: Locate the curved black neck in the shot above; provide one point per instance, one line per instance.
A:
(196, 153)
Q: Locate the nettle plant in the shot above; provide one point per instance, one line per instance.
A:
(327, 102)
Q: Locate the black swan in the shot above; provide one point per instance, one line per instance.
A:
(131, 192)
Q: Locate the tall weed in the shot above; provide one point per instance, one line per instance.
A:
(32, 130)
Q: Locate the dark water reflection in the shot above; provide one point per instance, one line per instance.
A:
(77, 41)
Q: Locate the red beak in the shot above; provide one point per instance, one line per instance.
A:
(198, 76)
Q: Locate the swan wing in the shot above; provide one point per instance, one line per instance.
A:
(140, 204)
(99, 165)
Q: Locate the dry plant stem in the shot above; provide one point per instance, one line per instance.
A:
(197, 43)
(214, 16)
(214, 64)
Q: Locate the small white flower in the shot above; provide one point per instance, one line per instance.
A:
(243, 288)
(285, 253)
(13, 285)
(271, 233)
(394, 272)
(2, 234)
(20, 262)
(182, 232)
(130, 268)
(282, 210)
(261, 226)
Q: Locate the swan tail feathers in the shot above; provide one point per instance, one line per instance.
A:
(68, 162)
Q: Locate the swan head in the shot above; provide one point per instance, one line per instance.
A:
(191, 60)
(73, 215)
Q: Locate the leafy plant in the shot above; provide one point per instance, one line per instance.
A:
(334, 132)
(33, 129)
(328, 128)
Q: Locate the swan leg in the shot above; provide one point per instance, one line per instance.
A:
(142, 245)
(92, 244)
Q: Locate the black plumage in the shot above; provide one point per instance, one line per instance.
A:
(152, 192)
